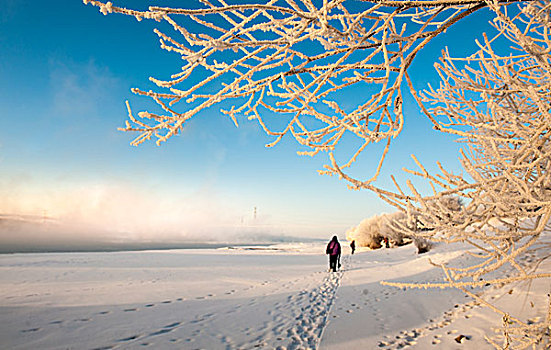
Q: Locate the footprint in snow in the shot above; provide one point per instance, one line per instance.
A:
(30, 330)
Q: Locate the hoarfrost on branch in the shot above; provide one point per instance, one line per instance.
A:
(284, 62)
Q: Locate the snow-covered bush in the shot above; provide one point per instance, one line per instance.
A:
(401, 228)
(392, 226)
(367, 233)
(423, 245)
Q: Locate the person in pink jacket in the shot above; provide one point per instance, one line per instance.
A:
(334, 252)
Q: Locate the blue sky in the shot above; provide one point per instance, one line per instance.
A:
(65, 73)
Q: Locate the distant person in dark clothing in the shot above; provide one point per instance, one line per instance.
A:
(334, 251)
(353, 246)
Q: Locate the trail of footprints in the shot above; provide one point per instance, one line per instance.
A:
(149, 338)
(295, 323)
(298, 321)
(408, 338)
(136, 339)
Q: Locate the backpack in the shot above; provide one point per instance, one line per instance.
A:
(333, 248)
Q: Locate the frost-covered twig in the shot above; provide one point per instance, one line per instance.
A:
(288, 60)
(285, 62)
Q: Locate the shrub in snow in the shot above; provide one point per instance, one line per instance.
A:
(394, 227)
(423, 245)
(367, 233)
(401, 228)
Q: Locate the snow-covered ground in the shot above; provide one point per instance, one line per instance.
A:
(276, 298)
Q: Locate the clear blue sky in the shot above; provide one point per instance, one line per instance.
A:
(65, 72)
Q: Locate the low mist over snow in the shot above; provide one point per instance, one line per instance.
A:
(116, 214)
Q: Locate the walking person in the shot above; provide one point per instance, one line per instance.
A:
(334, 252)
(353, 246)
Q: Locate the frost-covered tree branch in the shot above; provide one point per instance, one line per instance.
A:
(288, 60)
(284, 63)
(500, 104)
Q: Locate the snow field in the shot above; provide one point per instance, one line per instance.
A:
(276, 298)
